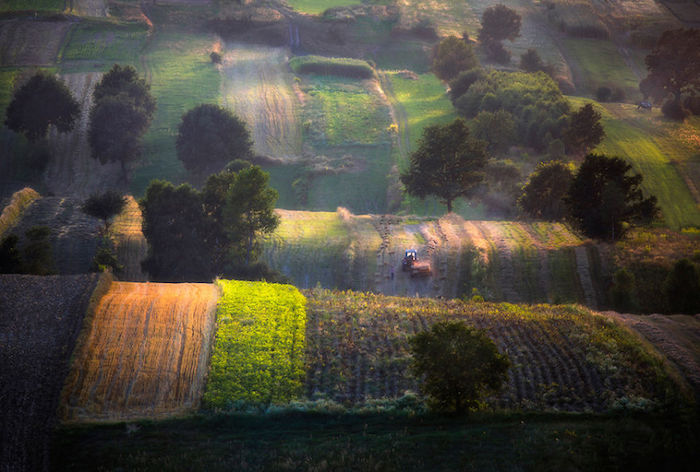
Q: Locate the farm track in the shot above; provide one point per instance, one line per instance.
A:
(144, 354)
(74, 235)
(257, 87)
(40, 318)
(131, 245)
(72, 170)
(358, 350)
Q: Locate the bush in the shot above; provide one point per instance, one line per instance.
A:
(453, 56)
(345, 67)
(460, 85)
(496, 52)
(674, 110)
(603, 94)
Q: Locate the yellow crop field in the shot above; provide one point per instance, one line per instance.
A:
(130, 242)
(144, 354)
(19, 202)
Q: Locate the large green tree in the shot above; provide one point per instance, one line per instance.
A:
(458, 365)
(121, 114)
(209, 137)
(498, 23)
(584, 131)
(604, 198)
(543, 195)
(448, 163)
(451, 56)
(42, 102)
(674, 65)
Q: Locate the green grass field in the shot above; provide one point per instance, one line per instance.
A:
(105, 41)
(258, 353)
(182, 77)
(651, 144)
(38, 5)
(316, 7)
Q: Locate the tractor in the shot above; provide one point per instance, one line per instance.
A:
(413, 266)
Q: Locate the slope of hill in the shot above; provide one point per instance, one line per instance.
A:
(40, 318)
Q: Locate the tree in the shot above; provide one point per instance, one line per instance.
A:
(122, 112)
(460, 84)
(543, 195)
(498, 23)
(682, 287)
(10, 260)
(459, 365)
(452, 56)
(41, 102)
(249, 211)
(584, 131)
(496, 128)
(674, 65)
(104, 206)
(448, 163)
(209, 137)
(603, 199)
(530, 61)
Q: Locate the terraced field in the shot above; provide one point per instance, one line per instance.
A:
(40, 318)
(144, 353)
(564, 358)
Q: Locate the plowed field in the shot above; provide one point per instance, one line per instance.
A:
(40, 318)
(31, 43)
(563, 357)
(145, 353)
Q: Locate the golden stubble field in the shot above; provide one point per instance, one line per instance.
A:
(144, 354)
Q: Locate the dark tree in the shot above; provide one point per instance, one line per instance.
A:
(584, 131)
(175, 227)
(603, 197)
(460, 84)
(41, 102)
(209, 137)
(449, 163)
(622, 291)
(104, 206)
(498, 23)
(10, 260)
(249, 211)
(682, 288)
(674, 65)
(122, 112)
(497, 129)
(530, 61)
(452, 56)
(459, 366)
(543, 194)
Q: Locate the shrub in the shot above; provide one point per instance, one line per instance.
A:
(603, 94)
(674, 110)
(345, 67)
(453, 56)
(460, 84)
(215, 57)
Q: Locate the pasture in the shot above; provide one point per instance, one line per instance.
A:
(144, 353)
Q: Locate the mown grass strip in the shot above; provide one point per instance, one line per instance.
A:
(258, 354)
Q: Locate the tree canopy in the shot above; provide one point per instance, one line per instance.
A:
(584, 131)
(209, 137)
(104, 205)
(452, 56)
(543, 194)
(448, 163)
(498, 23)
(41, 102)
(674, 65)
(459, 365)
(604, 199)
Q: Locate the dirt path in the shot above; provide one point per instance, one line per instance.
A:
(144, 354)
(398, 116)
(257, 86)
(72, 169)
(131, 245)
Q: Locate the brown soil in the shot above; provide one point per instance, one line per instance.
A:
(31, 42)
(40, 318)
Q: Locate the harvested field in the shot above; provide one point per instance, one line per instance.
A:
(144, 354)
(564, 358)
(31, 42)
(72, 170)
(16, 207)
(675, 336)
(74, 235)
(257, 86)
(131, 245)
(40, 318)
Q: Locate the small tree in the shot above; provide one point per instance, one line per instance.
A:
(41, 102)
(448, 163)
(543, 195)
(603, 198)
(498, 23)
(104, 206)
(459, 365)
(584, 131)
(209, 137)
(452, 56)
(682, 288)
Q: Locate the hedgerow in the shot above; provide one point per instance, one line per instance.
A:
(346, 67)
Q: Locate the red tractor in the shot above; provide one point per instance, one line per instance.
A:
(411, 264)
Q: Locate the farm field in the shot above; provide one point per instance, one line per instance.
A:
(144, 353)
(316, 7)
(129, 241)
(16, 207)
(258, 354)
(31, 43)
(564, 358)
(40, 318)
